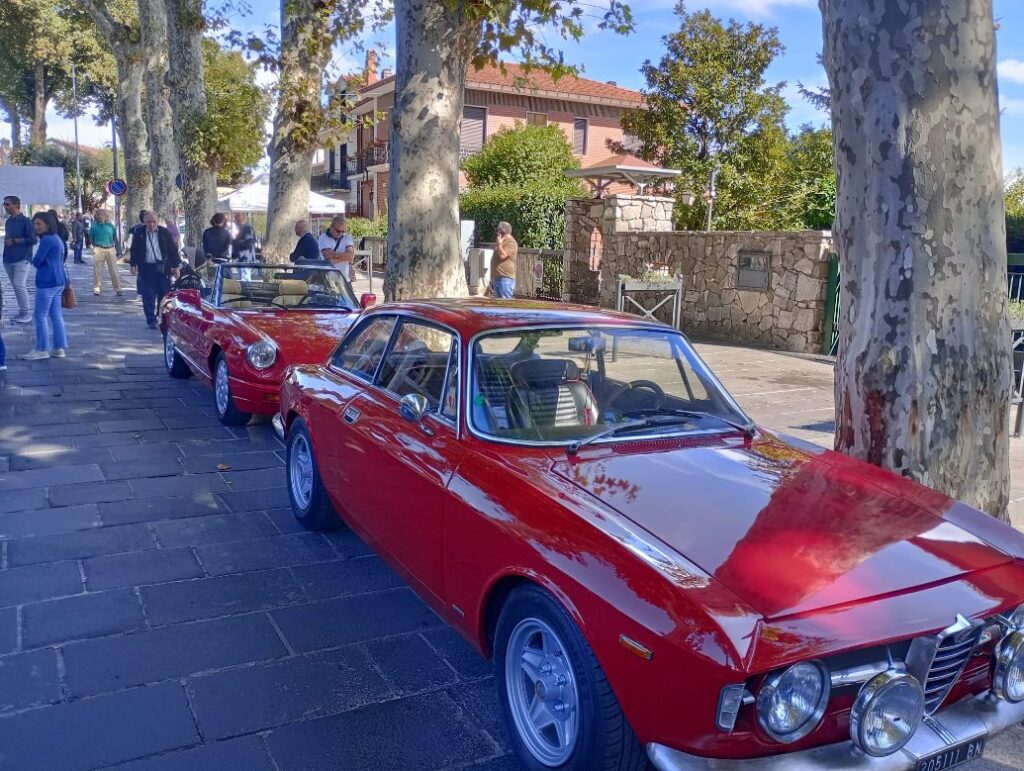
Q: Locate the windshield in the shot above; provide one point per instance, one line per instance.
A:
(571, 384)
(284, 286)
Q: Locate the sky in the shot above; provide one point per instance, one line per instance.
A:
(605, 56)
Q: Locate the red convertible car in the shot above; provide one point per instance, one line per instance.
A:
(252, 321)
(656, 578)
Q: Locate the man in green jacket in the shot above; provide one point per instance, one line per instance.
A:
(104, 238)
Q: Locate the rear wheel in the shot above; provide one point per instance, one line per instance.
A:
(558, 705)
(176, 366)
(227, 412)
(310, 503)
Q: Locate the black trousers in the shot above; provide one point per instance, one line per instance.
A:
(152, 286)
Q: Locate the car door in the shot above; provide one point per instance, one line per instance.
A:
(398, 484)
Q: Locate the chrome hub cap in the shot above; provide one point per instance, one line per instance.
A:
(168, 351)
(542, 692)
(221, 387)
(300, 472)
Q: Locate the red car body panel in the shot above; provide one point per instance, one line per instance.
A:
(301, 336)
(727, 558)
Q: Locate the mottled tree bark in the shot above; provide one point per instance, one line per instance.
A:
(15, 120)
(40, 99)
(923, 377)
(185, 24)
(303, 59)
(434, 45)
(163, 156)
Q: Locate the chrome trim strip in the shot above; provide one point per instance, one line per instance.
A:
(859, 674)
(278, 423)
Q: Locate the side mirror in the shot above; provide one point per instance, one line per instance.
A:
(413, 408)
(190, 297)
(367, 300)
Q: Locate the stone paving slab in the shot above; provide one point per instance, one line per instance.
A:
(161, 610)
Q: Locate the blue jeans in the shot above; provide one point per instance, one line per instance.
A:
(48, 307)
(152, 285)
(78, 251)
(3, 351)
(503, 287)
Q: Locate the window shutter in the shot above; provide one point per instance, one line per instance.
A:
(473, 130)
(579, 136)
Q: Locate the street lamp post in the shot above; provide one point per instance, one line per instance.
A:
(113, 147)
(711, 197)
(78, 157)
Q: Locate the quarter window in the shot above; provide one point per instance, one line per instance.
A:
(361, 353)
(418, 362)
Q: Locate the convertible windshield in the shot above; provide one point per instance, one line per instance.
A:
(568, 385)
(282, 286)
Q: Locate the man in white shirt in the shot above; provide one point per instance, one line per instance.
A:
(338, 247)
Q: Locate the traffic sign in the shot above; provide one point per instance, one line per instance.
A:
(117, 187)
(179, 181)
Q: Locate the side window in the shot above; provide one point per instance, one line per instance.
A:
(361, 353)
(450, 409)
(417, 362)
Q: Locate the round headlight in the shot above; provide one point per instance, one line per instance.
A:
(888, 711)
(791, 702)
(1008, 682)
(262, 355)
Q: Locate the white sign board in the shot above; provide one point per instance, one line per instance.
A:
(34, 185)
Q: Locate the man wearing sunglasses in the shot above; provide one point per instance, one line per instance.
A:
(19, 238)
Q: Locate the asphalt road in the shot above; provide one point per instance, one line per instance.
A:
(159, 608)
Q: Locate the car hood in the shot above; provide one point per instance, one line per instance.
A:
(788, 532)
(302, 337)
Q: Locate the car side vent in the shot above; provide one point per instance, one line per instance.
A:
(939, 660)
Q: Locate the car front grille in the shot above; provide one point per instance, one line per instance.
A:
(954, 649)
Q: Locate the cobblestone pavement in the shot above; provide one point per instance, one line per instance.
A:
(159, 608)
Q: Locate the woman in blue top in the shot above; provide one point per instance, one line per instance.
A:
(50, 280)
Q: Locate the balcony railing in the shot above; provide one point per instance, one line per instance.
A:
(377, 155)
(329, 180)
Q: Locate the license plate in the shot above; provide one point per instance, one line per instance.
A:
(953, 756)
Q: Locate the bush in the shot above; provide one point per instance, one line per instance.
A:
(536, 211)
(1015, 233)
(521, 156)
(357, 227)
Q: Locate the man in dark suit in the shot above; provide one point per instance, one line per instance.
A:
(155, 259)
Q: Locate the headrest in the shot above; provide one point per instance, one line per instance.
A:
(231, 286)
(538, 373)
(294, 286)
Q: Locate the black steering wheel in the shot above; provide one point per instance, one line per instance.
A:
(635, 385)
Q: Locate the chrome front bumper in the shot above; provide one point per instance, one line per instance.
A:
(969, 719)
(278, 423)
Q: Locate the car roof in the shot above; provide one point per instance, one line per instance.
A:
(472, 315)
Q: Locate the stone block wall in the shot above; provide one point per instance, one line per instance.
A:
(635, 233)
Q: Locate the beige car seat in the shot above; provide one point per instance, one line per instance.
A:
(291, 292)
(231, 294)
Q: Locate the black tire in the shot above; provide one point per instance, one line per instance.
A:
(176, 366)
(227, 412)
(316, 513)
(605, 741)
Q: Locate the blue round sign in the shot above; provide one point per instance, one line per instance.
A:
(179, 181)
(117, 187)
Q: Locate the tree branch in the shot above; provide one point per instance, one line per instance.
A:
(112, 30)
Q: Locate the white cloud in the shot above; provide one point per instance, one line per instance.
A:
(750, 8)
(1011, 70)
(1011, 106)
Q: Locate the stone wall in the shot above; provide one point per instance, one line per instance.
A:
(634, 234)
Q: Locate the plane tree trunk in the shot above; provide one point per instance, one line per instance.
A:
(435, 42)
(163, 156)
(40, 99)
(923, 377)
(185, 24)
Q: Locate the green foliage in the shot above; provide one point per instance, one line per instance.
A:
(229, 138)
(520, 155)
(809, 180)
(1015, 193)
(536, 211)
(1014, 233)
(357, 227)
(710, 106)
(97, 169)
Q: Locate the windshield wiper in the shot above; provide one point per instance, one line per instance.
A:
(629, 425)
(746, 429)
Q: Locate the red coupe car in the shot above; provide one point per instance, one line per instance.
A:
(252, 321)
(656, 578)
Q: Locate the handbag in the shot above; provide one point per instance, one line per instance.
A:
(67, 297)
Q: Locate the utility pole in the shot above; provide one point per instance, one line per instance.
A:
(711, 197)
(113, 147)
(78, 157)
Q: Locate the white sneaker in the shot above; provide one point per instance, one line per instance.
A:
(35, 355)
(3, 367)
(58, 353)
(23, 320)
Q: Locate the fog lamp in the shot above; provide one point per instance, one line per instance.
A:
(1008, 682)
(792, 701)
(261, 355)
(888, 711)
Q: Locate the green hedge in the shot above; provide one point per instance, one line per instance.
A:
(357, 227)
(1014, 233)
(536, 211)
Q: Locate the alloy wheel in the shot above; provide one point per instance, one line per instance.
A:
(222, 388)
(300, 471)
(168, 351)
(542, 692)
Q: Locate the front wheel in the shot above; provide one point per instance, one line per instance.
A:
(176, 366)
(310, 504)
(227, 412)
(558, 705)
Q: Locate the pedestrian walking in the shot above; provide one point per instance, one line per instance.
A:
(51, 278)
(156, 261)
(171, 223)
(243, 248)
(78, 237)
(503, 263)
(216, 240)
(104, 238)
(307, 247)
(62, 231)
(3, 348)
(87, 221)
(337, 246)
(19, 238)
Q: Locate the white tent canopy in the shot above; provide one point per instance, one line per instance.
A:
(255, 198)
(34, 184)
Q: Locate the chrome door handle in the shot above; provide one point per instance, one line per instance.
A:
(351, 415)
